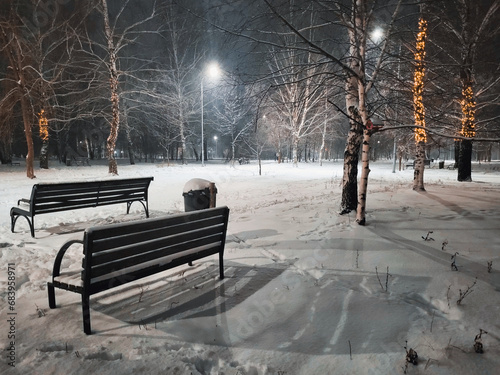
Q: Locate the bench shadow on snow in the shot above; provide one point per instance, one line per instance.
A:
(236, 312)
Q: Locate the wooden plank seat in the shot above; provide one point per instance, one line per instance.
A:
(411, 163)
(117, 254)
(54, 197)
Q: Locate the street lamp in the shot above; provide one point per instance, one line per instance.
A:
(212, 71)
(377, 35)
(215, 139)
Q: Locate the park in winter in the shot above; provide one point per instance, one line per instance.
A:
(249, 187)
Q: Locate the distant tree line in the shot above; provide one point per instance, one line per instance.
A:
(301, 80)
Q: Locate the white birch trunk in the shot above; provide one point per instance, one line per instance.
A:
(113, 82)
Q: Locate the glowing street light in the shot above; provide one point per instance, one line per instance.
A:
(377, 35)
(212, 72)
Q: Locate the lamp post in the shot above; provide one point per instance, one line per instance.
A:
(215, 139)
(212, 71)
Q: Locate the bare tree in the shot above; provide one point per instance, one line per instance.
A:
(321, 29)
(235, 115)
(112, 56)
(297, 93)
(469, 27)
(178, 78)
(37, 56)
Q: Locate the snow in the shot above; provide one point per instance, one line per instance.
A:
(306, 291)
(196, 184)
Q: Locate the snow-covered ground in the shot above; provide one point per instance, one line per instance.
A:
(306, 291)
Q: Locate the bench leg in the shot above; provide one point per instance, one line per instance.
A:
(32, 226)
(52, 295)
(221, 266)
(86, 314)
(13, 219)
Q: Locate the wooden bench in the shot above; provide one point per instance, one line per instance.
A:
(80, 160)
(48, 198)
(117, 254)
(427, 163)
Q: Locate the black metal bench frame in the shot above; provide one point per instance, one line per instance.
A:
(427, 163)
(117, 254)
(48, 198)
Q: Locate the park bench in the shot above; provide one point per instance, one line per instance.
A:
(54, 197)
(411, 163)
(77, 161)
(117, 254)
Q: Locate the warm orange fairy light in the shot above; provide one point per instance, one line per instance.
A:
(418, 84)
(44, 125)
(468, 112)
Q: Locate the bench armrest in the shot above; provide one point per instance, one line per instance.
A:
(59, 257)
(23, 200)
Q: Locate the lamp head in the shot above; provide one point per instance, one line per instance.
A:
(213, 70)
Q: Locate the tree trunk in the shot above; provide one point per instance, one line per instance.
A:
(363, 183)
(44, 155)
(115, 102)
(365, 155)
(44, 136)
(182, 135)
(464, 161)
(418, 107)
(321, 148)
(28, 120)
(418, 173)
(130, 144)
(349, 200)
(295, 148)
(468, 105)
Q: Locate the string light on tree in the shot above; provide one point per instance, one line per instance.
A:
(418, 85)
(43, 124)
(468, 112)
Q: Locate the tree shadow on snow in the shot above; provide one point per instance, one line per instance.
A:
(272, 308)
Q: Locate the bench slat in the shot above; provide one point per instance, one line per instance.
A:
(124, 278)
(102, 268)
(138, 248)
(156, 230)
(118, 230)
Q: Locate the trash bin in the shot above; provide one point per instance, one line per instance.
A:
(441, 164)
(199, 194)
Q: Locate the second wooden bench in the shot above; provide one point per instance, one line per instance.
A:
(117, 254)
(48, 198)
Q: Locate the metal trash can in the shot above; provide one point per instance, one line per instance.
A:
(441, 164)
(199, 194)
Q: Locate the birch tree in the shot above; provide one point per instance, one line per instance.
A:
(234, 114)
(297, 93)
(109, 56)
(178, 80)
